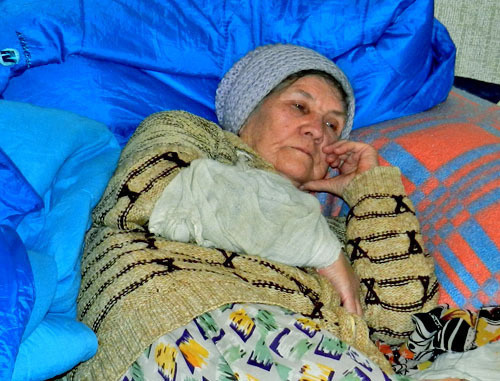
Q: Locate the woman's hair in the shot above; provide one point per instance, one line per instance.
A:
(292, 78)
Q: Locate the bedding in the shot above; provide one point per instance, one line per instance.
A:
(440, 331)
(480, 364)
(17, 296)
(65, 161)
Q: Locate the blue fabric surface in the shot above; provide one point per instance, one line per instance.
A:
(118, 61)
(17, 198)
(44, 270)
(17, 292)
(53, 348)
(17, 297)
(68, 160)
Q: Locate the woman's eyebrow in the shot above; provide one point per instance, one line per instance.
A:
(304, 94)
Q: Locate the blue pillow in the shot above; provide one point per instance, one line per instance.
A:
(17, 292)
(44, 270)
(117, 62)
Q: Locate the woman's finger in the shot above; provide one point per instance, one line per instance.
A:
(350, 305)
(340, 146)
(358, 307)
(333, 161)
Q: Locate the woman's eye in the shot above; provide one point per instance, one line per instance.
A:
(299, 107)
(331, 125)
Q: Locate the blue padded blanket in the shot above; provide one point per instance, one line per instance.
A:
(119, 61)
(17, 291)
(54, 166)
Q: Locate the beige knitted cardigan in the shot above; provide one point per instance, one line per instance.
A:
(136, 286)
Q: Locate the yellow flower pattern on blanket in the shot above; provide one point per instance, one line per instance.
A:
(165, 357)
(194, 353)
(307, 326)
(242, 324)
(488, 325)
(316, 372)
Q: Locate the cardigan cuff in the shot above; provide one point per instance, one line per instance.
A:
(378, 180)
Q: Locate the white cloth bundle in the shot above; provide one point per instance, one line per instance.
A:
(247, 210)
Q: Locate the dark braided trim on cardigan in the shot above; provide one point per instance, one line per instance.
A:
(400, 207)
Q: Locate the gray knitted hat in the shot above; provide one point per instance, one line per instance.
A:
(259, 71)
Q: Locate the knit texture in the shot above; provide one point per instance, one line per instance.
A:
(386, 249)
(259, 71)
(136, 286)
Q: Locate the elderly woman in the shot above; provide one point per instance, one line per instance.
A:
(208, 259)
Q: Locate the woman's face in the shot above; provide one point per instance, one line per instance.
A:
(293, 125)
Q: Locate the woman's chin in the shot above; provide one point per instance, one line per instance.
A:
(297, 167)
(297, 178)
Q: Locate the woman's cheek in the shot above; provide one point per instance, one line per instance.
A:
(294, 165)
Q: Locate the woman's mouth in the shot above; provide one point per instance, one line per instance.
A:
(303, 150)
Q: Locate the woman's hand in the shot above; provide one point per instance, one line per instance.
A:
(350, 158)
(345, 281)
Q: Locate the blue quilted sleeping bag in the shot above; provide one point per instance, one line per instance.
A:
(119, 61)
(54, 166)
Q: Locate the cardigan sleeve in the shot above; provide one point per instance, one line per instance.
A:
(162, 145)
(385, 246)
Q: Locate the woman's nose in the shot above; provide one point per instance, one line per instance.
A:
(314, 127)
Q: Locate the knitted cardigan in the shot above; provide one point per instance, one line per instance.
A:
(137, 286)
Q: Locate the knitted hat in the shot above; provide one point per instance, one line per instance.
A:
(259, 71)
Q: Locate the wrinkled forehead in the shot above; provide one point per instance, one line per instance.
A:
(331, 93)
(333, 87)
